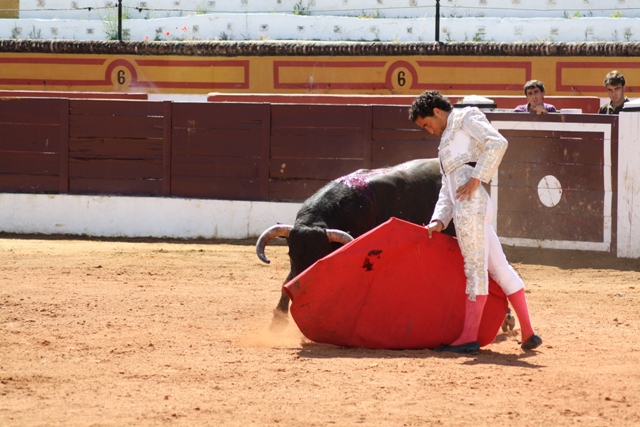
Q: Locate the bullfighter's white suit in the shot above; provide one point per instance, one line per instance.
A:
(471, 148)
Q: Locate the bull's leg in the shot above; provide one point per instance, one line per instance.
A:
(281, 312)
(509, 321)
(283, 304)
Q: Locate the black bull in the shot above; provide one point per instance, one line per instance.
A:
(349, 207)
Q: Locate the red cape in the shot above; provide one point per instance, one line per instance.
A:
(393, 288)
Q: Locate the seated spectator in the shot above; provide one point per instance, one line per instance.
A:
(614, 82)
(534, 91)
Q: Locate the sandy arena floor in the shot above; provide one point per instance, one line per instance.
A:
(115, 333)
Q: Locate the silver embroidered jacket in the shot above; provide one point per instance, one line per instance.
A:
(468, 137)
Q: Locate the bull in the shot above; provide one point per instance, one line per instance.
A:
(350, 206)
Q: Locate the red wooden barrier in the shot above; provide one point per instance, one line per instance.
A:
(220, 151)
(34, 145)
(238, 151)
(313, 144)
(395, 139)
(116, 147)
(588, 104)
(285, 152)
(577, 152)
(70, 94)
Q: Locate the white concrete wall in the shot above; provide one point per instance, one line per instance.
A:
(140, 216)
(293, 27)
(629, 185)
(153, 9)
(357, 20)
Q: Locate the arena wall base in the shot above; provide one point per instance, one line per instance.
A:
(110, 216)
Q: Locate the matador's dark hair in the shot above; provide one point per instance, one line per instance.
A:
(425, 103)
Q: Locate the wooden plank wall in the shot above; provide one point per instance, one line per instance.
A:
(32, 137)
(116, 147)
(577, 162)
(581, 159)
(588, 104)
(395, 139)
(220, 151)
(313, 144)
(70, 94)
(286, 152)
(283, 152)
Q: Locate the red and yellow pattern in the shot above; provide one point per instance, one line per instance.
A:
(452, 75)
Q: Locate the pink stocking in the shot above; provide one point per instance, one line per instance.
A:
(519, 303)
(472, 317)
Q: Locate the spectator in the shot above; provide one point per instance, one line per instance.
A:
(614, 82)
(534, 91)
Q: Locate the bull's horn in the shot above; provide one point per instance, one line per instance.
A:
(338, 236)
(280, 230)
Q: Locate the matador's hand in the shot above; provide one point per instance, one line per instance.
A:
(435, 225)
(466, 191)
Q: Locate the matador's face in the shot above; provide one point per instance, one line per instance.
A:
(435, 124)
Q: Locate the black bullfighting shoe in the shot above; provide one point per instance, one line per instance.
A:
(534, 341)
(468, 348)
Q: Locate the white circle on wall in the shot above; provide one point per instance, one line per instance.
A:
(549, 191)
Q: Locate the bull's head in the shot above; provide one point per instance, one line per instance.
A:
(282, 230)
(307, 244)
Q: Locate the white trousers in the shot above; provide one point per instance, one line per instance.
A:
(479, 243)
